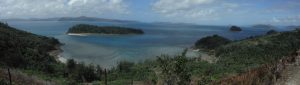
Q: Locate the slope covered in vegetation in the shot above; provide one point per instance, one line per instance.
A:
(25, 50)
(234, 58)
(29, 54)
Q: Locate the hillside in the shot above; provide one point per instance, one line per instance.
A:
(24, 50)
(19, 48)
(254, 58)
(92, 29)
(27, 55)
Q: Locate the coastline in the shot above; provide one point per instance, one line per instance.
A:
(79, 34)
(57, 54)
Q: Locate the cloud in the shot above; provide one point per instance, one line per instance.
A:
(193, 8)
(55, 8)
(294, 20)
(229, 11)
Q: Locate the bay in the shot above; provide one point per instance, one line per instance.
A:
(108, 50)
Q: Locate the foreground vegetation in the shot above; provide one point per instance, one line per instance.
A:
(28, 53)
(233, 59)
(20, 49)
(85, 28)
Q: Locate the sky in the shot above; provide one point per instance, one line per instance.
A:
(205, 12)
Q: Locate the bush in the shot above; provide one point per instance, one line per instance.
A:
(174, 71)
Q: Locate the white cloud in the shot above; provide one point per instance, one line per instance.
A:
(55, 8)
(274, 19)
(201, 9)
(289, 20)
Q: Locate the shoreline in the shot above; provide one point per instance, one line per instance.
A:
(79, 34)
(57, 54)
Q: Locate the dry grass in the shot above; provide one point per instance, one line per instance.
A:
(266, 74)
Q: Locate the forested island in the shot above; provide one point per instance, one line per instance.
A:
(243, 62)
(235, 29)
(93, 29)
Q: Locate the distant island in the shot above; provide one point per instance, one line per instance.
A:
(292, 27)
(85, 18)
(263, 26)
(235, 29)
(80, 18)
(93, 29)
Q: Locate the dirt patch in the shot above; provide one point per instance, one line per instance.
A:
(208, 58)
(291, 75)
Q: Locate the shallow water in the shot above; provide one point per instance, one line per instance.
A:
(107, 50)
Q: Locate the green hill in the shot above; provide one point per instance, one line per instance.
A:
(26, 50)
(211, 42)
(232, 59)
(28, 54)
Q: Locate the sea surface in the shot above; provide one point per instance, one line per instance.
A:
(108, 50)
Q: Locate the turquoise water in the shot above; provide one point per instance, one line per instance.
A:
(107, 50)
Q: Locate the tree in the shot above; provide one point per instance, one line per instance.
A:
(89, 73)
(99, 72)
(71, 64)
(125, 66)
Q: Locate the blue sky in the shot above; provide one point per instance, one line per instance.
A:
(206, 12)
